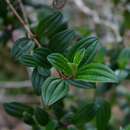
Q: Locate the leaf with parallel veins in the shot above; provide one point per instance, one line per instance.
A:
(53, 90)
(96, 73)
(60, 63)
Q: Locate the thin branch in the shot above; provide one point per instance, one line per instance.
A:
(18, 84)
(89, 12)
(24, 24)
(23, 11)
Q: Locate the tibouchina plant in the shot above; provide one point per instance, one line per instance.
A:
(62, 60)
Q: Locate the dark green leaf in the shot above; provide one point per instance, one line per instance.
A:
(28, 118)
(87, 43)
(40, 56)
(21, 47)
(43, 71)
(96, 73)
(58, 109)
(51, 24)
(28, 60)
(41, 116)
(103, 115)
(53, 90)
(60, 63)
(45, 12)
(37, 81)
(17, 109)
(85, 114)
(81, 84)
(61, 41)
(3, 9)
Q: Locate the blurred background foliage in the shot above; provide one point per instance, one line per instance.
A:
(108, 19)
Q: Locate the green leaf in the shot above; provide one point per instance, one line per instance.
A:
(124, 58)
(53, 90)
(28, 118)
(61, 41)
(87, 42)
(51, 24)
(81, 84)
(37, 81)
(79, 56)
(103, 114)
(90, 52)
(17, 109)
(21, 47)
(41, 116)
(45, 12)
(96, 73)
(52, 125)
(40, 56)
(85, 114)
(28, 60)
(60, 63)
(43, 71)
(58, 109)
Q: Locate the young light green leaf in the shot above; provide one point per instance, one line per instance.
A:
(103, 114)
(96, 73)
(53, 90)
(60, 63)
(79, 56)
(21, 47)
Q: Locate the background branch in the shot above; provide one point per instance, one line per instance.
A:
(97, 20)
(18, 84)
(24, 24)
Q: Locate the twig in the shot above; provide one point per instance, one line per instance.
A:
(87, 11)
(18, 84)
(23, 11)
(24, 24)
